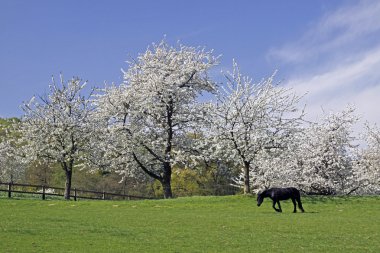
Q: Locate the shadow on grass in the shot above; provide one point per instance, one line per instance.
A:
(277, 213)
(328, 199)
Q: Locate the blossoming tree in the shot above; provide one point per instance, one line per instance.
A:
(11, 169)
(319, 160)
(367, 169)
(327, 151)
(251, 117)
(56, 128)
(149, 115)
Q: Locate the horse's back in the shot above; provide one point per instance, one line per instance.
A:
(285, 193)
(293, 190)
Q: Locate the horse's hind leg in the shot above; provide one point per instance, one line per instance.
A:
(295, 206)
(299, 204)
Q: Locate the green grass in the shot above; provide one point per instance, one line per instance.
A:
(196, 224)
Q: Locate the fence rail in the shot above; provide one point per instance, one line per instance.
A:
(45, 190)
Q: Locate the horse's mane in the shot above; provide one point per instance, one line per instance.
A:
(262, 192)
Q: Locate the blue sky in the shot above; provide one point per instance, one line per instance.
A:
(330, 48)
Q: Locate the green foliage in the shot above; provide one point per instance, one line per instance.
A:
(6, 126)
(40, 174)
(196, 224)
(184, 183)
(198, 182)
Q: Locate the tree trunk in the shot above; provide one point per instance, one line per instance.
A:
(166, 183)
(247, 189)
(166, 178)
(167, 190)
(68, 183)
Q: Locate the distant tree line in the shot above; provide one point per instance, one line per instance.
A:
(154, 134)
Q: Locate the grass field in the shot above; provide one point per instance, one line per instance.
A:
(195, 224)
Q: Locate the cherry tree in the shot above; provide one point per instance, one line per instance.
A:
(149, 115)
(276, 168)
(11, 168)
(56, 128)
(328, 154)
(251, 117)
(322, 158)
(4, 158)
(367, 168)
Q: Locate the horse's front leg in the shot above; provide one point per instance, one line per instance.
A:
(274, 206)
(279, 206)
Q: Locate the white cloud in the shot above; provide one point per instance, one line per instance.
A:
(345, 78)
(337, 61)
(343, 29)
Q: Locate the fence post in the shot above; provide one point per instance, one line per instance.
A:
(75, 194)
(104, 195)
(43, 192)
(9, 190)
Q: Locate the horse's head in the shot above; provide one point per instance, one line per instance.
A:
(260, 199)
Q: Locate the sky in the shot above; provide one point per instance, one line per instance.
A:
(326, 49)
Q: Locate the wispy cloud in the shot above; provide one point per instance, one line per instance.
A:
(340, 30)
(337, 61)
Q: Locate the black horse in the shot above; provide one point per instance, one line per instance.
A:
(277, 194)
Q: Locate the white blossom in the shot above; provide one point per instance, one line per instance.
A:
(56, 128)
(148, 116)
(320, 159)
(11, 168)
(367, 168)
(251, 117)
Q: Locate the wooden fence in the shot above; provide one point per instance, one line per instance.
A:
(45, 190)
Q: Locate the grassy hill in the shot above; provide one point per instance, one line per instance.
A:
(195, 224)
